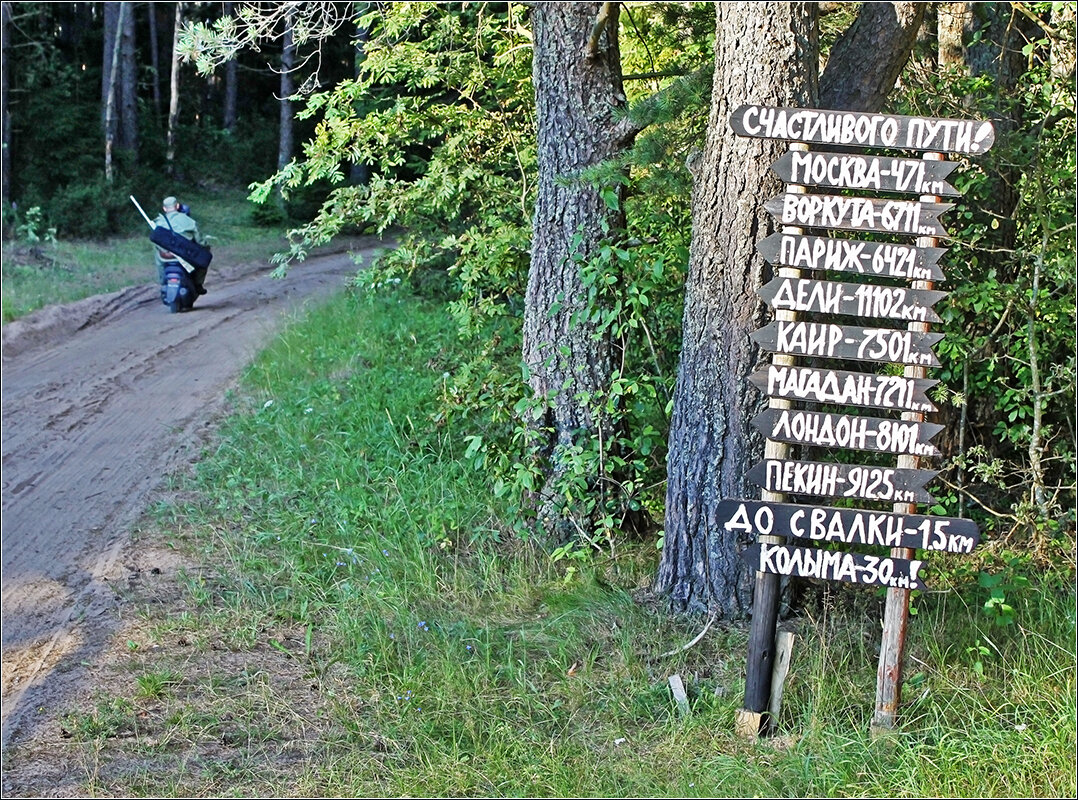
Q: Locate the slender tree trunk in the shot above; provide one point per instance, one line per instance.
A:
(5, 167)
(360, 173)
(577, 76)
(228, 115)
(765, 53)
(155, 62)
(174, 94)
(128, 84)
(285, 146)
(952, 19)
(110, 100)
(110, 22)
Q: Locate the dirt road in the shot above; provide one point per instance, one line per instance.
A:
(101, 400)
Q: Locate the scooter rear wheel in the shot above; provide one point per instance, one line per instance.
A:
(174, 306)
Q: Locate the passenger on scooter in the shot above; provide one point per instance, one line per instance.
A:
(174, 216)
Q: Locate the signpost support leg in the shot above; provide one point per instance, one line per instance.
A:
(753, 719)
(897, 607)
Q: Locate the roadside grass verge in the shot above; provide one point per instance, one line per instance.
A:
(363, 624)
(44, 273)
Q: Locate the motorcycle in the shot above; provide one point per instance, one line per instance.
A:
(181, 259)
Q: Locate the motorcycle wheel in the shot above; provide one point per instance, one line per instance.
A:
(174, 306)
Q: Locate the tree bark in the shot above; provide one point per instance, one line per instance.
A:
(765, 54)
(128, 84)
(286, 146)
(5, 167)
(113, 62)
(576, 71)
(174, 93)
(228, 115)
(868, 57)
(155, 62)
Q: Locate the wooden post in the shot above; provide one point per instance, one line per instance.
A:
(896, 611)
(752, 719)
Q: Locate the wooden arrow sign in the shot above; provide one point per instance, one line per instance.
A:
(824, 479)
(852, 129)
(848, 431)
(845, 388)
(880, 259)
(870, 173)
(885, 345)
(849, 526)
(852, 299)
(838, 212)
(835, 565)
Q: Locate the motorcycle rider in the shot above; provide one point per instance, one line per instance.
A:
(174, 215)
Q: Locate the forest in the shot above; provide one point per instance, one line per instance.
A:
(564, 184)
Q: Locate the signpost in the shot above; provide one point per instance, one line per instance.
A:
(887, 287)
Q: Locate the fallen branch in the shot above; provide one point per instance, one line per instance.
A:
(711, 619)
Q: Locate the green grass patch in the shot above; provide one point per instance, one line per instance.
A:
(45, 272)
(346, 539)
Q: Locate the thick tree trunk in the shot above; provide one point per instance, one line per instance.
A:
(868, 57)
(765, 53)
(578, 88)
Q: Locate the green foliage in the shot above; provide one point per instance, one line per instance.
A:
(1009, 350)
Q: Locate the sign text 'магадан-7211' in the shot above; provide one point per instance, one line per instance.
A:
(853, 481)
(848, 431)
(835, 565)
(849, 526)
(839, 387)
(877, 259)
(897, 303)
(838, 212)
(855, 129)
(849, 342)
(868, 173)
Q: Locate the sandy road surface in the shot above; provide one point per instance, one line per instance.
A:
(101, 399)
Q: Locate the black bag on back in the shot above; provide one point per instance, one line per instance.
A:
(192, 252)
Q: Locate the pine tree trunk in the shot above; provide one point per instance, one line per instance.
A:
(155, 62)
(577, 76)
(228, 115)
(174, 93)
(128, 85)
(113, 61)
(5, 167)
(868, 57)
(765, 53)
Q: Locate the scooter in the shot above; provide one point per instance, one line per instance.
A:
(178, 290)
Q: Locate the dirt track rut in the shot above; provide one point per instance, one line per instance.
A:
(101, 400)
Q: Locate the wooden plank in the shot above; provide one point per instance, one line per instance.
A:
(835, 565)
(838, 212)
(879, 259)
(849, 526)
(854, 343)
(866, 173)
(848, 431)
(854, 129)
(870, 300)
(854, 481)
(841, 387)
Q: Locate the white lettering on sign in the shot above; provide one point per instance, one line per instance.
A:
(821, 126)
(848, 388)
(844, 255)
(865, 130)
(855, 299)
(835, 480)
(836, 211)
(853, 432)
(836, 565)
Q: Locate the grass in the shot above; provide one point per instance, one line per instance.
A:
(363, 625)
(64, 271)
